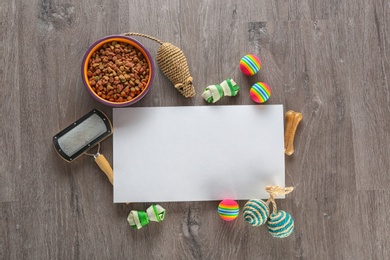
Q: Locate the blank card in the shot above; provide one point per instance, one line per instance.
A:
(197, 153)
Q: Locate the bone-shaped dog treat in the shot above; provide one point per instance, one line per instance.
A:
(292, 120)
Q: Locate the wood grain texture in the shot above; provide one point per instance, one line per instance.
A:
(325, 59)
(10, 141)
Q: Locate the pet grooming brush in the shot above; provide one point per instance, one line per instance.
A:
(82, 135)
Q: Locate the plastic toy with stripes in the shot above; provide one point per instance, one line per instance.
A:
(138, 218)
(214, 93)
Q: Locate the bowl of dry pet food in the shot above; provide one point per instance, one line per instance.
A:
(117, 71)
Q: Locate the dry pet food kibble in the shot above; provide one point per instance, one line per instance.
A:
(118, 72)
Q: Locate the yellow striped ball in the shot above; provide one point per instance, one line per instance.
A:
(256, 212)
(280, 224)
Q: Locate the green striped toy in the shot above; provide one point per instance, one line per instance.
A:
(138, 218)
(256, 212)
(214, 93)
(280, 224)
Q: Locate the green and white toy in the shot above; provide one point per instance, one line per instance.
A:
(138, 218)
(214, 93)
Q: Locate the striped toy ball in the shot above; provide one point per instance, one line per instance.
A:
(280, 224)
(260, 92)
(256, 212)
(228, 210)
(250, 64)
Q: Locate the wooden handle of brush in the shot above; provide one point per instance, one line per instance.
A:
(105, 166)
(292, 120)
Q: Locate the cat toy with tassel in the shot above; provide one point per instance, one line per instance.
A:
(280, 224)
(173, 64)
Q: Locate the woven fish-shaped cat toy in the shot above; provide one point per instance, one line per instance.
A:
(173, 64)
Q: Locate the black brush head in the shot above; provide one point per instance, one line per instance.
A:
(82, 135)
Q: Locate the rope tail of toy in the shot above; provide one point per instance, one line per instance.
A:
(143, 35)
(173, 64)
(275, 191)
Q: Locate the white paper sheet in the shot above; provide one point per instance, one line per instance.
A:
(197, 153)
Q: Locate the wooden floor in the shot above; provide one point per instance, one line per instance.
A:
(328, 59)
